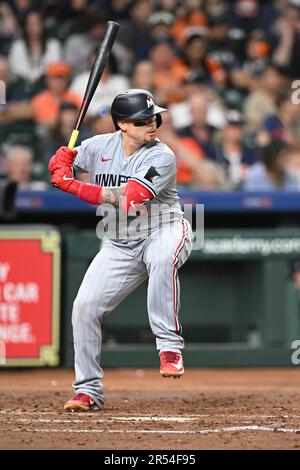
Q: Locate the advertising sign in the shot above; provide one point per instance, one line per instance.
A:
(29, 297)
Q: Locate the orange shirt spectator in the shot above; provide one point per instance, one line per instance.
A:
(175, 74)
(45, 106)
(185, 174)
(193, 18)
(169, 72)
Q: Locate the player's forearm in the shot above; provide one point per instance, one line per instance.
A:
(112, 195)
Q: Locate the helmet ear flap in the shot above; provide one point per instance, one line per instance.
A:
(158, 121)
(116, 125)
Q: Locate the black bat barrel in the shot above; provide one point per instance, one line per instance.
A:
(98, 68)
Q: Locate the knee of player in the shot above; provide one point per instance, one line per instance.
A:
(82, 307)
(160, 261)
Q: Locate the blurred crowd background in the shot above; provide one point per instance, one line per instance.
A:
(228, 72)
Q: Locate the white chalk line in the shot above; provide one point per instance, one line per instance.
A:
(104, 420)
(146, 417)
(148, 431)
(110, 420)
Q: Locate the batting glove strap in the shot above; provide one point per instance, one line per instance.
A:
(90, 193)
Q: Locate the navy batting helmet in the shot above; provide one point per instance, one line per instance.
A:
(135, 104)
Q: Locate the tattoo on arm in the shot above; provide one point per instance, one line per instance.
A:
(112, 195)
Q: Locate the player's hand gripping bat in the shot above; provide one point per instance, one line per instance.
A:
(95, 76)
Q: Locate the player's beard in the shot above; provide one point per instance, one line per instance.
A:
(150, 136)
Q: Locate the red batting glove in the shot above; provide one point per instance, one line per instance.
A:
(64, 180)
(63, 157)
(53, 164)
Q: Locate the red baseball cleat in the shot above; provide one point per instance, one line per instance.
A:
(81, 402)
(171, 364)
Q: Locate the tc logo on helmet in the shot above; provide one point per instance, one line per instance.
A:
(150, 101)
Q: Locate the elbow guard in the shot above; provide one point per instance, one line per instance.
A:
(135, 195)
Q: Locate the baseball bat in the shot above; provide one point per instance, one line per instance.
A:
(95, 76)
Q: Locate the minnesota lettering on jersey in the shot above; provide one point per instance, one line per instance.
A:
(104, 179)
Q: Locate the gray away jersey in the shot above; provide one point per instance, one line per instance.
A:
(154, 166)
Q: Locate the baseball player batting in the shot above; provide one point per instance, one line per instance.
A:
(133, 172)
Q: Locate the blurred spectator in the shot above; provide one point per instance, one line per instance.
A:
(169, 72)
(190, 16)
(257, 48)
(263, 101)
(8, 27)
(16, 123)
(226, 38)
(209, 55)
(220, 43)
(188, 154)
(172, 6)
(16, 88)
(245, 14)
(194, 53)
(257, 53)
(19, 168)
(203, 66)
(61, 132)
(193, 169)
(192, 87)
(5, 79)
(21, 7)
(231, 152)
(45, 106)
(117, 9)
(216, 9)
(133, 37)
(287, 35)
(269, 13)
(210, 177)
(66, 17)
(159, 25)
(79, 46)
(29, 56)
(143, 76)
(134, 32)
(282, 124)
(111, 85)
(199, 130)
(102, 122)
(271, 172)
